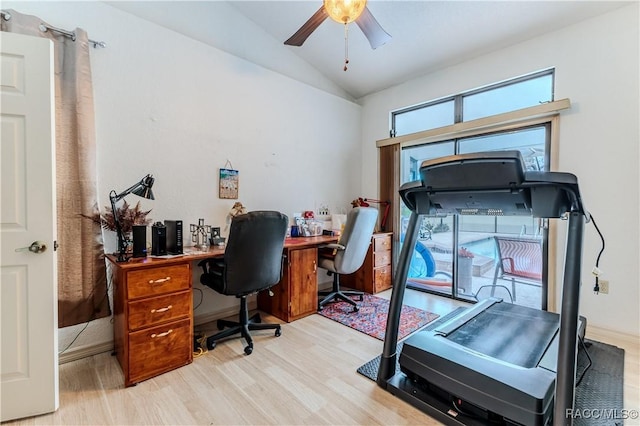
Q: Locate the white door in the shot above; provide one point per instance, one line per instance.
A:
(28, 286)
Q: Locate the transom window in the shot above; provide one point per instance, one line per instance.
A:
(517, 93)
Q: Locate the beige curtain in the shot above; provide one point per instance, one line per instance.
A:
(82, 284)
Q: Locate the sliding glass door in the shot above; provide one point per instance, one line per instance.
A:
(475, 257)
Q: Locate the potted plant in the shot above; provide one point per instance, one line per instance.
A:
(127, 216)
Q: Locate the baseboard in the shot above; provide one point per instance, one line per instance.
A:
(225, 313)
(612, 337)
(85, 351)
(98, 348)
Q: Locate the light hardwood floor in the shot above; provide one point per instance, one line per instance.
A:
(306, 376)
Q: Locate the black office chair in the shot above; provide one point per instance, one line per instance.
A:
(252, 262)
(348, 254)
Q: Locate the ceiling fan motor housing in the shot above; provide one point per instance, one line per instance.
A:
(344, 11)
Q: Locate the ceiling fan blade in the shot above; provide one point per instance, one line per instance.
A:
(372, 29)
(310, 26)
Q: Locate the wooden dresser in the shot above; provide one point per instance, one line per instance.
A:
(375, 274)
(153, 320)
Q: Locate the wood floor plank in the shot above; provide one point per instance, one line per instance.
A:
(307, 376)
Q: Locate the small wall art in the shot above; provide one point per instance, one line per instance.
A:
(229, 182)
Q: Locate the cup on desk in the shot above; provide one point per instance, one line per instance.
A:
(295, 231)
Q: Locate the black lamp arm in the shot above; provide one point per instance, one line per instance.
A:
(113, 197)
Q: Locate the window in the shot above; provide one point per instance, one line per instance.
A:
(463, 257)
(510, 95)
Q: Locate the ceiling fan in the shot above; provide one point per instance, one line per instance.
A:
(343, 12)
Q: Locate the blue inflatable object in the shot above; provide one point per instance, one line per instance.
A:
(423, 265)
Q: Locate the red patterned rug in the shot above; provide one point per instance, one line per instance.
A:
(371, 317)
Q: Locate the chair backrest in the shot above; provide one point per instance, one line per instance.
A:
(356, 238)
(520, 257)
(253, 256)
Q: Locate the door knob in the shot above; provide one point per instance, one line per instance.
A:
(35, 247)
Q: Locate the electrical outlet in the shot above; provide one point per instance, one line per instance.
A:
(604, 286)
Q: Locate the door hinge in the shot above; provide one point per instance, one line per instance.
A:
(55, 246)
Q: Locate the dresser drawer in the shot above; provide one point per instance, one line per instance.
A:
(381, 258)
(159, 349)
(155, 281)
(382, 278)
(155, 310)
(382, 243)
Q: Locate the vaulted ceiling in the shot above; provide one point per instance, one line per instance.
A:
(426, 35)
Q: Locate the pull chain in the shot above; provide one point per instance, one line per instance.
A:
(346, 46)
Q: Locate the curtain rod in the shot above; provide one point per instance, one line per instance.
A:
(44, 28)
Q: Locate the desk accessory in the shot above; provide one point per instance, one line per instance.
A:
(199, 235)
(174, 236)
(158, 239)
(216, 239)
(139, 241)
(141, 189)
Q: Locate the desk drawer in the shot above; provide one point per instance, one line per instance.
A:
(155, 310)
(382, 278)
(155, 281)
(382, 243)
(382, 258)
(157, 350)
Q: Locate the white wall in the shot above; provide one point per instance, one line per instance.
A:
(596, 65)
(175, 107)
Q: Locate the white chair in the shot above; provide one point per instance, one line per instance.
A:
(348, 254)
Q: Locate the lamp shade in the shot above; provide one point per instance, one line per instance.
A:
(344, 11)
(144, 188)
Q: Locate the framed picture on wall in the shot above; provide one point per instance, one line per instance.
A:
(228, 187)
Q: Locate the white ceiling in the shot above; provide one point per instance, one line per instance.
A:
(427, 35)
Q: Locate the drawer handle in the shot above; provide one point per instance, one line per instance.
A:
(160, 310)
(166, 333)
(159, 281)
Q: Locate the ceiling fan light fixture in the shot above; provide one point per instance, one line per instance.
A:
(344, 11)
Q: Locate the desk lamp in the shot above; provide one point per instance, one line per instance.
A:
(141, 189)
(364, 202)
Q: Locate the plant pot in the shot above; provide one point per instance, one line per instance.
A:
(465, 272)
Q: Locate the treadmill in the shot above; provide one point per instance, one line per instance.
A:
(495, 362)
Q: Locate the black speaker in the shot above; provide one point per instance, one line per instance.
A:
(174, 236)
(158, 239)
(139, 240)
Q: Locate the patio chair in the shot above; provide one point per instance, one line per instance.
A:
(519, 260)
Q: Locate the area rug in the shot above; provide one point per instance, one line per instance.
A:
(371, 317)
(600, 386)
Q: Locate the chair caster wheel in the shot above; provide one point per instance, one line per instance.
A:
(211, 346)
(356, 309)
(219, 325)
(278, 332)
(248, 349)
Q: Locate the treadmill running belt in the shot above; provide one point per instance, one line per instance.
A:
(511, 333)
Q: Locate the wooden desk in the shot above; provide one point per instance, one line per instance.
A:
(296, 295)
(153, 304)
